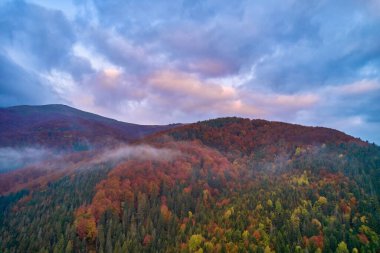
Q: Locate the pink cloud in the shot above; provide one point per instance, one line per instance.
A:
(187, 85)
(192, 95)
(363, 86)
(297, 100)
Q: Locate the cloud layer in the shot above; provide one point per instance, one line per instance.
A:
(136, 152)
(314, 62)
(13, 158)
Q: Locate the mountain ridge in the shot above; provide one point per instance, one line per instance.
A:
(33, 114)
(60, 126)
(234, 134)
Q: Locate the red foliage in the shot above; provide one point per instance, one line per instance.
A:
(65, 128)
(344, 207)
(317, 240)
(147, 176)
(332, 178)
(363, 238)
(238, 135)
(85, 224)
(187, 189)
(257, 235)
(223, 202)
(165, 212)
(41, 173)
(147, 240)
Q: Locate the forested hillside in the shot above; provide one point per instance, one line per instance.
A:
(224, 185)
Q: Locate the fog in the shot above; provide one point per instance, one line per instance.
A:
(141, 152)
(16, 158)
(13, 158)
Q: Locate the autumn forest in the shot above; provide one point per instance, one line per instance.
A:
(222, 185)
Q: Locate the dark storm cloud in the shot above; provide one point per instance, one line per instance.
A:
(18, 86)
(33, 41)
(44, 36)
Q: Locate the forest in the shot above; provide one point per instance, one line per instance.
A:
(228, 185)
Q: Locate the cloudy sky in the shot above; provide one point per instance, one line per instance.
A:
(157, 62)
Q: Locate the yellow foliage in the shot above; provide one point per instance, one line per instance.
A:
(195, 241)
(228, 213)
(268, 250)
(295, 219)
(322, 200)
(302, 180)
(317, 223)
(245, 234)
(298, 151)
(209, 247)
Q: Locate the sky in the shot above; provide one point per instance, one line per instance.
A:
(309, 62)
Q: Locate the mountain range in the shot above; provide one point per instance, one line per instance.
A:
(74, 181)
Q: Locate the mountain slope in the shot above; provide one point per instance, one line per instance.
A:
(223, 185)
(63, 127)
(244, 136)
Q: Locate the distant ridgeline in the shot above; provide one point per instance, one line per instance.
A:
(223, 185)
(63, 127)
(34, 134)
